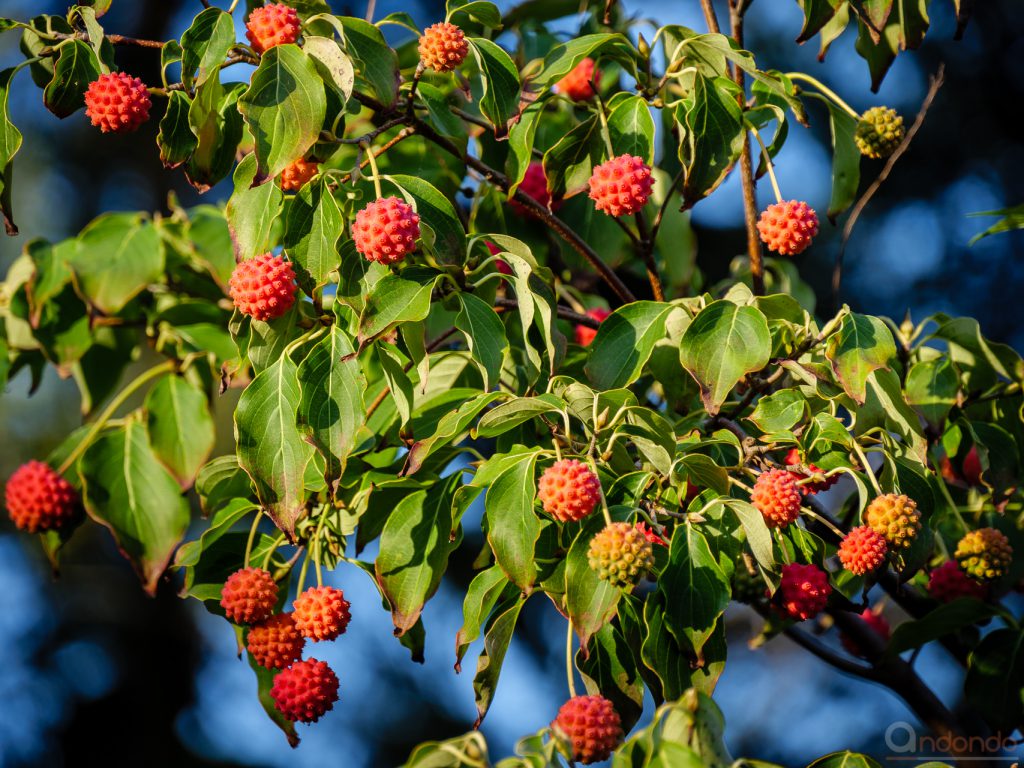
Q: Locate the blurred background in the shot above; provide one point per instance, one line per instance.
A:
(95, 671)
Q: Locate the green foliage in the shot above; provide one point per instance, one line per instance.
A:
(390, 398)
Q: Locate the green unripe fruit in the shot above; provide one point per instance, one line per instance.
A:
(984, 554)
(879, 132)
(621, 555)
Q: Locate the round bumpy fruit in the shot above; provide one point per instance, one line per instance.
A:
(895, 517)
(305, 691)
(577, 84)
(585, 335)
(948, 582)
(569, 490)
(985, 554)
(298, 173)
(777, 496)
(591, 726)
(117, 102)
(862, 550)
(788, 227)
(621, 554)
(803, 591)
(386, 230)
(38, 499)
(876, 622)
(443, 47)
(248, 596)
(535, 184)
(879, 132)
(809, 489)
(275, 642)
(276, 24)
(321, 613)
(263, 287)
(621, 186)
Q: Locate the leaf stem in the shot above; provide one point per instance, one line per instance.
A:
(252, 537)
(867, 467)
(111, 409)
(768, 162)
(825, 90)
(568, 661)
(373, 167)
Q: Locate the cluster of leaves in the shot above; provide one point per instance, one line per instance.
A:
(356, 402)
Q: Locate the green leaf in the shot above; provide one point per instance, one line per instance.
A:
(375, 60)
(510, 415)
(995, 679)
(284, 108)
(392, 363)
(844, 760)
(520, 144)
(331, 409)
(127, 490)
(313, 225)
(1012, 218)
(500, 100)
(590, 601)
(481, 11)
(205, 45)
(817, 13)
(609, 669)
(862, 345)
(76, 66)
(191, 553)
(264, 682)
(10, 143)
(569, 164)
(713, 139)
(117, 256)
(512, 526)
(497, 637)
(624, 343)
(332, 62)
(563, 58)
(449, 429)
(181, 428)
(780, 411)
(176, 140)
(217, 125)
(484, 592)
(442, 231)
(485, 335)
(631, 127)
(414, 549)
(759, 538)
(251, 211)
(696, 589)
(220, 482)
(270, 447)
(932, 387)
(945, 620)
(845, 158)
(723, 344)
(395, 299)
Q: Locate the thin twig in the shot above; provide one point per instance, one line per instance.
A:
(746, 164)
(858, 208)
(645, 246)
(709, 16)
(114, 39)
(563, 312)
(814, 645)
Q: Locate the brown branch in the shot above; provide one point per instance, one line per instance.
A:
(114, 39)
(501, 181)
(709, 16)
(563, 312)
(645, 246)
(736, 10)
(858, 208)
